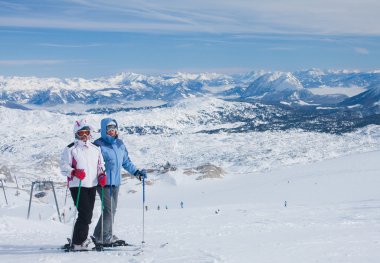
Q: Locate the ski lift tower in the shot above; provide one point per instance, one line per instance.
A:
(39, 183)
(2, 185)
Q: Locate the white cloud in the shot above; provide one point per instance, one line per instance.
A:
(361, 50)
(21, 62)
(194, 70)
(13, 6)
(239, 16)
(69, 46)
(279, 48)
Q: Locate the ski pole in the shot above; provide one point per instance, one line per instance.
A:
(143, 232)
(76, 211)
(111, 205)
(66, 195)
(64, 207)
(78, 195)
(102, 214)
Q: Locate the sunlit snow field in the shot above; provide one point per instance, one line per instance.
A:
(284, 196)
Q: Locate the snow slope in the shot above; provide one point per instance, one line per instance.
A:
(31, 141)
(329, 183)
(331, 216)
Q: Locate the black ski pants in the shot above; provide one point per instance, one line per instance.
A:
(85, 209)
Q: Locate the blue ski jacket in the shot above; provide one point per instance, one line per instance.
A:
(115, 154)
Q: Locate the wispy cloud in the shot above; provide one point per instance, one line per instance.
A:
(13, 6)
(30, 62)
(70, 46)
(281, 48)
(361, 50)
(195, 70)
(216, 16)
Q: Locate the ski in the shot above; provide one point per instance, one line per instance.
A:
(119, 245)
(69, 248)
(100, 249)
(134, 250)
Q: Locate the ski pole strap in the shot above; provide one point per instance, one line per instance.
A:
(78, 195)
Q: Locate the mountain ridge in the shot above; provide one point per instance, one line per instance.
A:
(278, 87)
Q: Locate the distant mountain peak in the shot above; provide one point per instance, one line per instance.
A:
(128, 86)
(274, 82)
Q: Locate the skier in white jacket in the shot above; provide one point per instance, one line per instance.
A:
(83, 165)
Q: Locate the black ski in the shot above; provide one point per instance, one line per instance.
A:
(135, 250)
(70, 248)
(102, 247)
(118, 243)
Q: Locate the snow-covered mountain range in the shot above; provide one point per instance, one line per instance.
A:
(261, 86)
(174, 105)
(314, 100)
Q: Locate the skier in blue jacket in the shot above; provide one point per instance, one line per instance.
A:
(115, 156)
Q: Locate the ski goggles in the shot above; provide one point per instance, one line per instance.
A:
(111, 128)
(83, 132)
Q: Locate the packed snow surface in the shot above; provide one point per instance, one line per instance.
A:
(331, 215)
(286, 197)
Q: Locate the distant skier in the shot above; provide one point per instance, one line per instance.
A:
(82, 163)
(116, 157)
(158, 207)
(181, 204)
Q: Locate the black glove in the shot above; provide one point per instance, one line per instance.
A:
(140, 174)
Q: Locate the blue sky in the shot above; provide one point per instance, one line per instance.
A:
(94, 38)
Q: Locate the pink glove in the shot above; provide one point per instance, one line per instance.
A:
(102, 179)
(78, 173)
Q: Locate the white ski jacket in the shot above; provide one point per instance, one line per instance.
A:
(82, 155)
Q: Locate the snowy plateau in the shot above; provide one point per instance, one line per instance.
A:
(270, 166)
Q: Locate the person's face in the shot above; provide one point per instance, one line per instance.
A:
(83, 135)
(111, 131)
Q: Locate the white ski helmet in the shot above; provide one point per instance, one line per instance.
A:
(81, 125)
